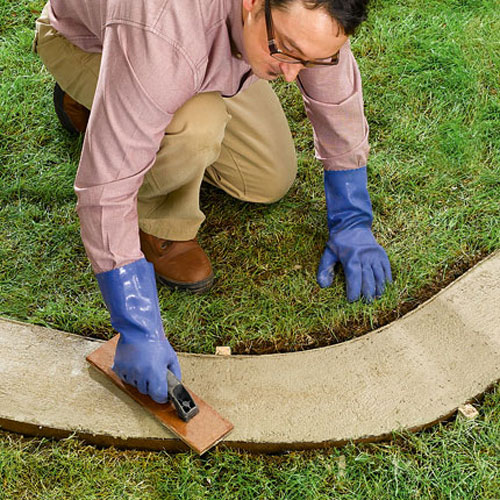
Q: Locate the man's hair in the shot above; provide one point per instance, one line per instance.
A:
(349, 14)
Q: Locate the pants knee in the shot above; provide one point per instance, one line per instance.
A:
(281, 182)
(200, 124)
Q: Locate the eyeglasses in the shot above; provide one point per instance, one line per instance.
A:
(282, 56)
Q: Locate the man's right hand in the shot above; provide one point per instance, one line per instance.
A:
(143, 354)
(144, 364)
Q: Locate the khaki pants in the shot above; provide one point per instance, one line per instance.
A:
(242, 144)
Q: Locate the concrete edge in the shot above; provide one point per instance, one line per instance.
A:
(483, 385)
(177, 446)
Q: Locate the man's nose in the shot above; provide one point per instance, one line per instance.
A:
(290, 71)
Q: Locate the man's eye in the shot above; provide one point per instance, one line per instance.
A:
(285, 48)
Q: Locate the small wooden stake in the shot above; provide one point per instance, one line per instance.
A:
(223, 350)
(468, 412)
(341, 465)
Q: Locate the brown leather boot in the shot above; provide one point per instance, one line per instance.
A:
(72, 115)
(178, 264)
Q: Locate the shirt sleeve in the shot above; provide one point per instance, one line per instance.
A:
(143, 80)
(333, 99)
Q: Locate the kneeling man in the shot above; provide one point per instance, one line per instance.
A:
(173, 92)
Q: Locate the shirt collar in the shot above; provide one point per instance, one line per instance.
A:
(235, 27)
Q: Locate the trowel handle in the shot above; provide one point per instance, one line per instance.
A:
(180, 397)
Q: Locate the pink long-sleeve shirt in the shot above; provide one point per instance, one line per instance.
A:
(157, 54)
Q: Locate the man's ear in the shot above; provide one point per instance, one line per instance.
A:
(249, 5)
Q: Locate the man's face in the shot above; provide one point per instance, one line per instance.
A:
(305, 33)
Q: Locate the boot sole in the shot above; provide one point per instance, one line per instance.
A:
(198, 287)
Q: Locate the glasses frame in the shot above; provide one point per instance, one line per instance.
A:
(274, 51)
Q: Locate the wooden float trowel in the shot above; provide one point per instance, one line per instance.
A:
(185, 414)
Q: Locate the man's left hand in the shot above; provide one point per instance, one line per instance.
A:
(351, 241)
(365, 263)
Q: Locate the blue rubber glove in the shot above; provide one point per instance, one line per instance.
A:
(143, 354)
(351, 242)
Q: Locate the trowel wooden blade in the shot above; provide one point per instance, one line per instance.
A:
(201, 433)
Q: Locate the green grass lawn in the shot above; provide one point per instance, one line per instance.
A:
(431, 88)
(430, 85)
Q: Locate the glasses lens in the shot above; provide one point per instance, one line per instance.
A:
(286, 58)
(331, 61)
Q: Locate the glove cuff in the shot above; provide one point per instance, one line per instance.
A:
(347, 200)
(131, 298)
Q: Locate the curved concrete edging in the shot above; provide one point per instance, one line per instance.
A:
(407, 375)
